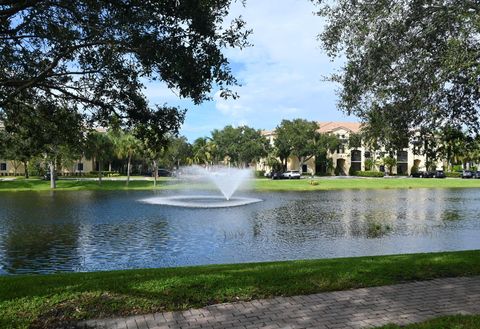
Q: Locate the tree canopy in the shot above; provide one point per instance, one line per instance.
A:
(297, 138)
(416, 61)
(96, 55)
(241, 145)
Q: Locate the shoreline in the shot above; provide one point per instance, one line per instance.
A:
(258, 185)
(40, 299)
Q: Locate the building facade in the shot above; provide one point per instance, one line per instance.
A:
(345, 160)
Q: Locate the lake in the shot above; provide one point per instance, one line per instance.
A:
(99, 230)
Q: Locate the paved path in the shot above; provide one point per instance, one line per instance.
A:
(360, 308)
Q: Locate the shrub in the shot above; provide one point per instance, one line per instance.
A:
(414, 169)
(453, 174)
(369, 164)
(351, 171)
(260, 173)
(105, 173)
(313, 182)
(457, 168)
(369, 173)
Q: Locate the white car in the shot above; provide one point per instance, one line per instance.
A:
(292, 174)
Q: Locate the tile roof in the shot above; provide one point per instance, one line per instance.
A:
(329, 126)
(267, 132)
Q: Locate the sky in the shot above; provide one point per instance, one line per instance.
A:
(281, 75)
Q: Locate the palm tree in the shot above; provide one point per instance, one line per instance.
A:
(204, 151)
(389, 162)
(99, 147)
(126, 145)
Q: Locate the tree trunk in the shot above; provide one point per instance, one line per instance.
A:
(53, 181)
(99, 172)
(25, 165)
(128, 169)
(155, 173)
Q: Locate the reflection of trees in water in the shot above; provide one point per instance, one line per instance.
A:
(303, 220)
(371, 224)
(296, 221)
(46, 248)
(451, 215)
(36, 236)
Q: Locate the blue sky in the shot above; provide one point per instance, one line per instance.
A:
(281, 74)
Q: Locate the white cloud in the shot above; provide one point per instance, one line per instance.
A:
(282, 73)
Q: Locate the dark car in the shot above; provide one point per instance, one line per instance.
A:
(439, 174)
(47, 176)
(477, 175)
(276, 175)
(164, 173)
(467, 174)
(423, 174)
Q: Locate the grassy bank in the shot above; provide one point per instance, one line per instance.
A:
(78, 185)
(261, 185)
(448, 322)
(36, 300)
(362, 183)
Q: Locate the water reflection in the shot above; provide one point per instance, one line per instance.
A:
(87, 231)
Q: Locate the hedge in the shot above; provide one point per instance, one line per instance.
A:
(453, 174)
(369, 173)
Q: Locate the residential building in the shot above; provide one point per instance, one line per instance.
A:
(345, 159)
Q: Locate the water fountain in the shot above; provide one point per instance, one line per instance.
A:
(226, 180)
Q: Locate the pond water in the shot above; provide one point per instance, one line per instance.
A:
(92, 230)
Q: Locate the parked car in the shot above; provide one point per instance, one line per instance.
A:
(48, 175)
(439, 174)
(423, 174)
(477, 175)
(292, 174)
(276, 175)
(467, 174)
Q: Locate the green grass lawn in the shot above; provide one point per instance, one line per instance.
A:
(448, 322)
(362, 183)
(37, 300)
(76, 185)
(261, 185)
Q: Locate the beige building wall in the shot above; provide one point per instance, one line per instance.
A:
(343, 157)
(10, 168)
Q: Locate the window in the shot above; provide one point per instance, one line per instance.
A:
(80, 166)
(368, 154)
(402, 156)
(3, 166)
(356, 156)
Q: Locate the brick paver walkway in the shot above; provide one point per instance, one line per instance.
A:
(360, 308)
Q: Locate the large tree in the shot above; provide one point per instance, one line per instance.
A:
(417, 61)
(299, 137)
(178, 152)
(96, 54)
(325, 144)
(241, 145)
(48, 129)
